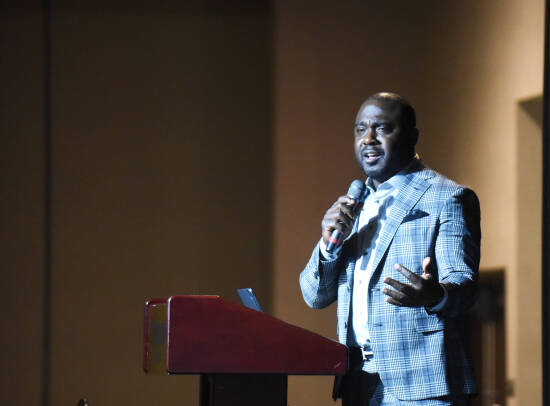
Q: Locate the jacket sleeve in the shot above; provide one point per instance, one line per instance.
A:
(319, 280)
(457, 251)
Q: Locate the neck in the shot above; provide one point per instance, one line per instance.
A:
(377, 182)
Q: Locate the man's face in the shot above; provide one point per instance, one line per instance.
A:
(383, 146)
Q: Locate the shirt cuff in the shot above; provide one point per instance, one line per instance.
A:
(440, 305)
(329, 256)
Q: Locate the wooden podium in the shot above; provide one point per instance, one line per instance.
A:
(243, 356)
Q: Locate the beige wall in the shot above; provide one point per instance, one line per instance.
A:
(161, 132)
(465, 65)
(529, 254)
(21, 206)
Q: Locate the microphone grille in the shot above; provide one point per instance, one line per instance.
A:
(356, 189)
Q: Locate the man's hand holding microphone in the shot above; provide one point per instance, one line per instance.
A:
(339, 219)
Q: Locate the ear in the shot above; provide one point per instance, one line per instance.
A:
(414, 136)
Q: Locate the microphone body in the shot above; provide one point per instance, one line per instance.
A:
(355, 192)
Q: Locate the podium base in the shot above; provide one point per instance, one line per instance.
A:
(243, 389)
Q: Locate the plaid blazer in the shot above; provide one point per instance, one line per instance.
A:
(418, 355)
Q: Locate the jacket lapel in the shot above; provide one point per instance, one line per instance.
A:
(409, 194)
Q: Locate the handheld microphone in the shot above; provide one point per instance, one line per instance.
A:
(355, 191)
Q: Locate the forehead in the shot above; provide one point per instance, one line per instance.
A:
(378, 111)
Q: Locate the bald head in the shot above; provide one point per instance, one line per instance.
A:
(406, 111)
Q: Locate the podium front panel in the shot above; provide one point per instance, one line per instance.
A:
(207, 334)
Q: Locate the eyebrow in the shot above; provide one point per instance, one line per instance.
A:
(378, 123)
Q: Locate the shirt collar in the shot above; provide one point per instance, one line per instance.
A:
(396, 182)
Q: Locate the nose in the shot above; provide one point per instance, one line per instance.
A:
(369, 137)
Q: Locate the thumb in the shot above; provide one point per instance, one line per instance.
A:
(429, 270)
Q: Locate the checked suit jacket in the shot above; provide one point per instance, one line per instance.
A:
(418, 354)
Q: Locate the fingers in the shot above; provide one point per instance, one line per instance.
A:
(340, 216)
(424, 290)
(397, 298)
(395, 302)
(394, 284)
(411, 276)
(344, 205)
(403, 294)
(426, 263)
(429, 270)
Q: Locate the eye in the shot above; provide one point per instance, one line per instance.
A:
(383, 129)
(360, 129)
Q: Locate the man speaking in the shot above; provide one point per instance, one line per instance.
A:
(402, 260)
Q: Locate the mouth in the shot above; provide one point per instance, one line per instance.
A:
(371, 156)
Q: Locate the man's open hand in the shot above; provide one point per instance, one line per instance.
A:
(424, 290)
